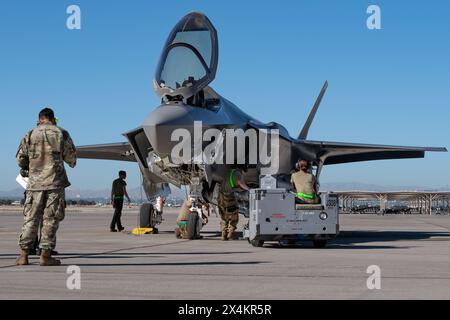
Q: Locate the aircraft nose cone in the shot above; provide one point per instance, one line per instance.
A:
(163, 122)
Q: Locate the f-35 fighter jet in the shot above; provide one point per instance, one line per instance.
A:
(195, 137)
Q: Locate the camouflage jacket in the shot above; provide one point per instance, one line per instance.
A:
(44, 151)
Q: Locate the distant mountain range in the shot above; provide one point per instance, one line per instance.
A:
(356, 186)
(99, 194)
(137, 195)
(12, 194)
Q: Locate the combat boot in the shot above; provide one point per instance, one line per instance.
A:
(46, 259)
(178, 234)
(37, 252)
(231, 235)
(224, 236)
(22, 260)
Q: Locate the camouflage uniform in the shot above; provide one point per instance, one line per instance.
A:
(49, 206)
(43, 151)
(228, 206)
(305, 186)
(183, 220)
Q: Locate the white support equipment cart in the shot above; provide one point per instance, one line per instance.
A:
(274, 216)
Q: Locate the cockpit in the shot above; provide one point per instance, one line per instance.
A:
(189, 63)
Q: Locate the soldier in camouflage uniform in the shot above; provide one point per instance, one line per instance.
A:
(183, 220)
(41, 156)
(228, 205)
(181, 232)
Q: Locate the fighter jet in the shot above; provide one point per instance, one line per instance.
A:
(189, 106)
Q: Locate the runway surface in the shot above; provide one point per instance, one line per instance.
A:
(413, 253)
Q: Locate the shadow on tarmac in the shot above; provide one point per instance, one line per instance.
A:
(354, 239)
(357, 240)
(174, 264)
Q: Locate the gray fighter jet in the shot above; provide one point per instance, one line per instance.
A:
(186, 68)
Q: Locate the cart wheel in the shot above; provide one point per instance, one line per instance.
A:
(192, 226)
(257, 243)
(287, 243)
(320, 243)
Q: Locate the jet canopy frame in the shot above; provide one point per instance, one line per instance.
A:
(195, 38)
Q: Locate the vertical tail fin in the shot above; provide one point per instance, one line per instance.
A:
(304, 133)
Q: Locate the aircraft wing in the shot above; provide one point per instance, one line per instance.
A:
(114, 151)
(339, 152)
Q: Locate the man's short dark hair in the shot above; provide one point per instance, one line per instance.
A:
(47, 113)
(122, 173)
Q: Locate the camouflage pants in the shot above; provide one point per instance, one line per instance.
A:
(45, 206)
(229, 219)
(229, 214)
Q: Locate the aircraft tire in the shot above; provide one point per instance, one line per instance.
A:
(192, 226)
(320, 244)
(145, 215)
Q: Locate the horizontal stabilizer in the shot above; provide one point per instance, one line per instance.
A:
(340, 152)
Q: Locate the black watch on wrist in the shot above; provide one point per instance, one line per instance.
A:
(25, 172)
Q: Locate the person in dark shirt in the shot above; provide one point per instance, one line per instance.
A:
(119, 191)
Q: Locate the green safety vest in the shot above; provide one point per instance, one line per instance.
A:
(232, 185)
(306, 196)
(183, 223)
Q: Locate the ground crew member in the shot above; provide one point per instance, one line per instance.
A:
(181, 232)
(183, 220)
(118, 192)
(228, 205)
(304, 184)
(41, 157)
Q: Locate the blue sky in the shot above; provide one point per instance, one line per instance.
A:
(390, 86)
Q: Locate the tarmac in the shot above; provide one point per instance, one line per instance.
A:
(412, 252)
